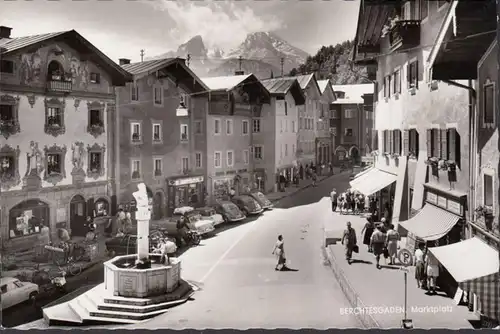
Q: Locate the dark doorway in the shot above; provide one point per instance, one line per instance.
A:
(158, 206)
(77, 210)
(355, 155)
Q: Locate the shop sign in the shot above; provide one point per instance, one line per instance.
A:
(432, 198)
(367, 159)
(244, 170)
(61, 215)
(455, 207)
(187, 180)
(441, 202)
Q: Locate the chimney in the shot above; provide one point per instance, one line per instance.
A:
(124, 61)
(5, 32)
(239, 73)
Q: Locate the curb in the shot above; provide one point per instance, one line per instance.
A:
(364, 317)
(300, 189)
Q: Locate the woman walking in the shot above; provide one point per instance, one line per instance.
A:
(432, 272)
(419, 265)
(279, 251)
(392, 244)
(377, 242)
(368, 230)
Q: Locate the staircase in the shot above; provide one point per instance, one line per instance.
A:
(91, 308)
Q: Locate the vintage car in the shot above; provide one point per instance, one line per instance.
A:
(210, 214)
(264, 202)
(127, 244)
(247, 204)
(229, 212)
(13, 291)
(203, 226)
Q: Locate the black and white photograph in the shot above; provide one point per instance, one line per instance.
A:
(249, 164)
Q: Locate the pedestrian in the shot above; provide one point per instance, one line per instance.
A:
(419, 265)
(392, 244)
(432, 272)
(377, 242)
(301, 172)
(279, 251)
(330, 167)
(314, 178)
(333, 197)
(387, 212)
(368, 230)
(349, 241)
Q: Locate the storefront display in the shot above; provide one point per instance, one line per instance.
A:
(27, 217)
(185, 191)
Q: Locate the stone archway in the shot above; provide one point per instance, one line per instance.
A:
(77, 215)
(354, 154)
(340, 153)
(158, 205)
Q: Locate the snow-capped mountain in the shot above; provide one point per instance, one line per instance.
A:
(261, 53)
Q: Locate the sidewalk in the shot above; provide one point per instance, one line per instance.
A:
(366, 286)
(306, 183)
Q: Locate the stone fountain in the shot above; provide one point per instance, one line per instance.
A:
(136, 287)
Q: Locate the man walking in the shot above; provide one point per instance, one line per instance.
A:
(349, 240)
(334, 198)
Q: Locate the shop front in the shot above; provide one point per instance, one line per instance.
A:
(260, 180)
(223, 187)
(185, 191)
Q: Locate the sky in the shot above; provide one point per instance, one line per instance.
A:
(121, 28)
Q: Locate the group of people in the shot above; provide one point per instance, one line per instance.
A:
(426, 268)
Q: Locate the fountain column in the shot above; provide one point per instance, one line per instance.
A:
(143, 216)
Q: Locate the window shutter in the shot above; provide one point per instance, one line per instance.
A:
(386, 141)
(416, 74)
(375, 95)
(375, 140)
(429, 143)
(454, 148)
(436, 147)
(408, 75)
(391, 141)
(444, 144)
(406, 142)
(400, 72)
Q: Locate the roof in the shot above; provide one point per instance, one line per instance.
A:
(305, 80)
(73, 39)
(224, 82)
(353, 93)
(323, 84)
(281, 86)
(176, 67)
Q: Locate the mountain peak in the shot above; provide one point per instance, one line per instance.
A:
(194, 47)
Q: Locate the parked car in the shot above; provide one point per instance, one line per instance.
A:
(195, 222)
(264, 202)
(229, 212)
(127, 244)
(210, 214)
(247, 204)
(13, 291)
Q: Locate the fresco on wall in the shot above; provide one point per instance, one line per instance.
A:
(30, 68)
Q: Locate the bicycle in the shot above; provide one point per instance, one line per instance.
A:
(72, 250)
(69, 267)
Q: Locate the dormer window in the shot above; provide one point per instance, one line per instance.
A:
(55, 71)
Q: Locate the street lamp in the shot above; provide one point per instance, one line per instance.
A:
(181, 110)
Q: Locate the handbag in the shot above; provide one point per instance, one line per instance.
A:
(386, 252)
(355, 249)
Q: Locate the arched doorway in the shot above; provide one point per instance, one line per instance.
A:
(158, 206)
(354, 154)
(340, 154)
(27, 217)
(55, 71)
(77, 213)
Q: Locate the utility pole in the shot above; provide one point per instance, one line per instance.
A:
(240, 60)
(282, 61)
(188, 60)
(142, 55)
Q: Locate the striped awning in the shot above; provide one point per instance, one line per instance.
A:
(431, 223)
(372, 181)
(475, 267)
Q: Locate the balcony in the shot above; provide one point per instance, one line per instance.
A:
(404, 34)
(59, 86)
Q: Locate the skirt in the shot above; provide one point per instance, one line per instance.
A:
(392, 247)
(367, 236)
(378, 248)
(419, 271)
(432, 270)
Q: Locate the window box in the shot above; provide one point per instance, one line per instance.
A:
(55, 170)
(95, 118)
(95, 166)
(9, 128)
(374, 153)
(54, 117)
(96, 129)
(412, 155)
(9, 167)
(157, 172)
(9, 121)
(395, 156)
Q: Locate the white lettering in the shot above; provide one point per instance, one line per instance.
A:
(380, 310)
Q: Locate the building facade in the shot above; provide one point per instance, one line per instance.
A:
(156, 141)
(279, 130)
(352, 121)
(325, 136)
(232, 120)
(57, 109)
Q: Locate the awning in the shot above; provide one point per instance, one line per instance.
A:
(372, 181)
(475, 267)
(431, 223)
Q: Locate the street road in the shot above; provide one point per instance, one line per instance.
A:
(241, 289)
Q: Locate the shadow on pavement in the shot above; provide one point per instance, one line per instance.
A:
(360, 261)
(288, 269)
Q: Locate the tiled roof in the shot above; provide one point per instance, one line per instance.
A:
(323, 84)
(224, 82)
(278, 85)
(353, 93)
(146, 66)
(16, 43)
(304, 80)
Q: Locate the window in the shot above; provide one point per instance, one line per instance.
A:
(396, 140)
(245, 157)
(453, 146)
(95, 118)
(256, 125)
(396, 82)
(293, 150)
(54, 117)
(9, 123)
(488, 190)
(281, 127)
(184, 132)
(134, 92)
(229, 127)
(95, 78)
(185, 165)
(348, 132)
(293, 127)
(230, 158)
(217, 126)
(136, 169)
(349, 113)
(96, 164)
(286, 150)
(9, 162)
(217, 160)
(286, 108)
(54, 164)
(158, 95)
(157, 135)
(198, 127)
(489, 103)
(412, 74)
(6, 66)
(197, 160)
(158, 166)
(257, 152)
(387, 86)
(335, 114)
(244, 127)
(413, 143)
(386, 144)
(424, 9)
(135, 130)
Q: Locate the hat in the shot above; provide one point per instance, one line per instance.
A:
(383, 220)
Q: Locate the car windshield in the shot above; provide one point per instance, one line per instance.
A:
(261, 196)
(249, 201)
(18, 284)
(194, 218)
(230, 207)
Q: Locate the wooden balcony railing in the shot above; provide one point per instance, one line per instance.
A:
(404, 34)
(59, 86)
